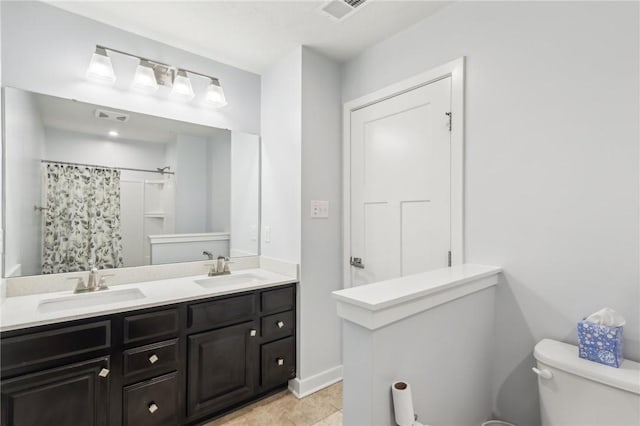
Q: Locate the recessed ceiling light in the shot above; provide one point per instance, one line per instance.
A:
(113, 133)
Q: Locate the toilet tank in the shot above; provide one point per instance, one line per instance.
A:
(580, 392)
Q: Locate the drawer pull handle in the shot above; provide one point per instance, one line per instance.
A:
(153, 407)
(280, 324)
(253, 333)
(153, 359)
(280, 361)
(104, 372)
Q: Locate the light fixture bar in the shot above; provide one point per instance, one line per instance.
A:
(150, 74)
(170, 67)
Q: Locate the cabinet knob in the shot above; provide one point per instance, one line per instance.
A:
(104, 372)
(280, 361)
(253, 333)
(280, 324)
(153, 407)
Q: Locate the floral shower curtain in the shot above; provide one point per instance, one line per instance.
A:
(82, 219)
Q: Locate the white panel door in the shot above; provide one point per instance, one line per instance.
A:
(401, 184)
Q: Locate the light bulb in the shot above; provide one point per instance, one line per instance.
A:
(215, 94)
(182, 89)
(145, 79)
(100, 68)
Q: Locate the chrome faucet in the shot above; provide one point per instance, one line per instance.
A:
(96, 282)
(219, 267)
(93, 278)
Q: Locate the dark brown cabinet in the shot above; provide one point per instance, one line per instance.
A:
(152, 403)
(178, 364)
(75, 394)
(277, 362)
(222, 368)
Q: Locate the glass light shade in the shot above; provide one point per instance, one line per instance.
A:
(145, 80)
(215, 95)
(182, 89)
(100, 68)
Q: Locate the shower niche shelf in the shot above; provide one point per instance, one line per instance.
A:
(155, 215)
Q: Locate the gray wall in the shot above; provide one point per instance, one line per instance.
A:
(23, 235)
(192, 186)
(551, 163)
(443, 353)
(219, 188)
(245, 194)
(47, 50)
(321, 272)
(281, 140)
(301, 161)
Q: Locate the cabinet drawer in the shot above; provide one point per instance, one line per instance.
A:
(34, 351)
(281, 299)
(152, 403)
(152, 325)
(222, 311)
(278, 362)
(151, 360)
(277, 325)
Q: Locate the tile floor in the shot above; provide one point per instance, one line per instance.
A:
(323, 408)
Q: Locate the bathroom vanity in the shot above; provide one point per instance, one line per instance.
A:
(174, 363)
(142, 200)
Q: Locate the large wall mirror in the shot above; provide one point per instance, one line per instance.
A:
(91, 186)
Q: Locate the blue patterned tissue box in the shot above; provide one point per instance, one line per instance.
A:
(600, 343)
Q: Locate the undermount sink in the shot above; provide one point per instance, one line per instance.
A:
(101, 297)
(230, 280)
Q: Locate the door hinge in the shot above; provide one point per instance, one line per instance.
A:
(449, 114)
(449, 259)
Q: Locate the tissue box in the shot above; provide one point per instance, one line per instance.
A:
(600, 343)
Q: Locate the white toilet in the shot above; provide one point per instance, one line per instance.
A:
(575, 392)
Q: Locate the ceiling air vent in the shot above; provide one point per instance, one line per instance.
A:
(103, 114)
(340, 9)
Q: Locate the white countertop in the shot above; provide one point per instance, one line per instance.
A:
(22, 311)
(378, 304)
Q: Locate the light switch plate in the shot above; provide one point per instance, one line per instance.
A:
(319, 209)
(267, 234)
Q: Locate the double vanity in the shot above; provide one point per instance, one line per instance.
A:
(165, 352)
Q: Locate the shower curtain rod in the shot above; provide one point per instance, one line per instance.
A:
(159, 170)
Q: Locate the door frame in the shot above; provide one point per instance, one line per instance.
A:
(454, 69)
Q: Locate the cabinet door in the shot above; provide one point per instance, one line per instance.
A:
(75, 394)
(222, 368)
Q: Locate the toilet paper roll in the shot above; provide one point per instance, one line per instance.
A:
(402, 403)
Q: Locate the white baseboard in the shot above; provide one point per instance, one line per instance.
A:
(301, 388)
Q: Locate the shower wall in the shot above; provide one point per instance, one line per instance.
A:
(203, 182)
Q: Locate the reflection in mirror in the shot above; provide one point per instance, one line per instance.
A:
(90, 186)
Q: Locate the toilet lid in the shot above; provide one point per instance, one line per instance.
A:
(565, 357)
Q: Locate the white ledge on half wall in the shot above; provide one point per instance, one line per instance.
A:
(188, 238)
(376, 305)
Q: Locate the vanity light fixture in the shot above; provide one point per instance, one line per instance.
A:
(145, 79)
(215, 94)
(182, 89)
(100, 68)
(151, 74)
